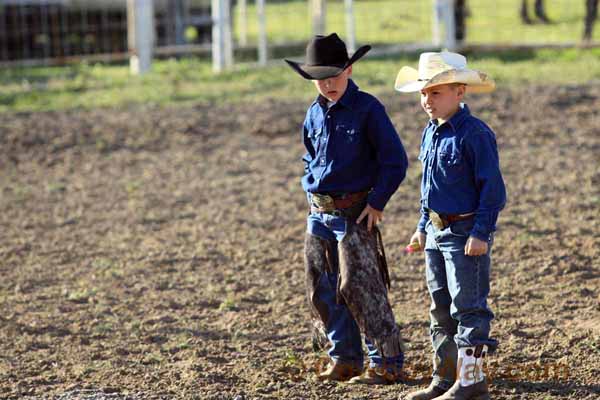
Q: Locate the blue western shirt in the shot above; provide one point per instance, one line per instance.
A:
(352, 146)
(461, 172)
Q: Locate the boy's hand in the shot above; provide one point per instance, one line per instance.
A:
(419, 237)
(475, 247)
(374, 216)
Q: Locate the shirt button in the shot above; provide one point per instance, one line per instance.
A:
(329, 116)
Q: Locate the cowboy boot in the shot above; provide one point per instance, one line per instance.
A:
(339, 371)
(379, 375)
(429, 393)
(444, 370)
(471, 383)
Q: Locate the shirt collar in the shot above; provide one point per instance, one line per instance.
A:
(457, 119)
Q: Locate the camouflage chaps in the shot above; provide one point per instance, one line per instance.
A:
(363, 281)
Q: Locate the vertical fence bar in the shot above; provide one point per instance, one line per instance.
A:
(262, 32)
(3, 40)
(228, 34)
(179, 22)
(218, 55)
(437, 20)
(65, 31)
(140, 34)
(444, 10)
(22, 24)
(84, 47)
(222, 47)
(350, 32)
(243, 22)
(318, 12)
(450, 26)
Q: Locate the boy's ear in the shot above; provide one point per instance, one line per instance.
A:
(349, 69)
(461, 90)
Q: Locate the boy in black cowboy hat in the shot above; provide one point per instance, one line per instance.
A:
(354, 163)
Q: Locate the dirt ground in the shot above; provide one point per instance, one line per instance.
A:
(157, 252)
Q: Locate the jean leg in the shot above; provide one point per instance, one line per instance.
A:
(469, 285)
(468, 278)
(443, 327)
(376, 360)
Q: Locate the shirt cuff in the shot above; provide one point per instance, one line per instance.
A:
(376, 201)
(481, 233)
(422, 223)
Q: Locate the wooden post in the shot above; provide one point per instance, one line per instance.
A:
(222, 46)
(140, 34)
(262, 32)
(350, 32)
(319, 11)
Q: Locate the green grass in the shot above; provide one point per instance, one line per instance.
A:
(191, 80)
(376, 21)
(408, 21)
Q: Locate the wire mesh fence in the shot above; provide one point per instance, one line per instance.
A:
(380, 22)
(50, 29)
(54, 31)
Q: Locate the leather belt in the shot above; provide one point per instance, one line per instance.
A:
(442, 221)
(323, 202)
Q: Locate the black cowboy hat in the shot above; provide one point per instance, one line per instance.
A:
(326, 57)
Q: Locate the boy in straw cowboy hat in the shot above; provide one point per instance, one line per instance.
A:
(354, 163)
(462, 192)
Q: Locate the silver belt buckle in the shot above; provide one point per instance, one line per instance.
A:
(323, 201)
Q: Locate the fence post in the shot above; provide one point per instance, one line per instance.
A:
(444, 9)
(350, 32)
(435, 26)
(140, 35)
(262, 32)
(318, 12)
(222, 46)
(179, 11)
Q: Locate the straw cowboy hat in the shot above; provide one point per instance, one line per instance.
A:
(439, 69)
(326, 57)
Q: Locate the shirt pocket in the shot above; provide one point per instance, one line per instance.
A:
(451, 167)
(350, 140)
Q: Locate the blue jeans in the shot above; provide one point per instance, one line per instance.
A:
(342, 330)
(458, 285)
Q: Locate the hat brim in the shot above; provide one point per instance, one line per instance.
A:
(318, 72)
(408, 81)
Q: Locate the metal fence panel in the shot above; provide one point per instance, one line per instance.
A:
(55, 31)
